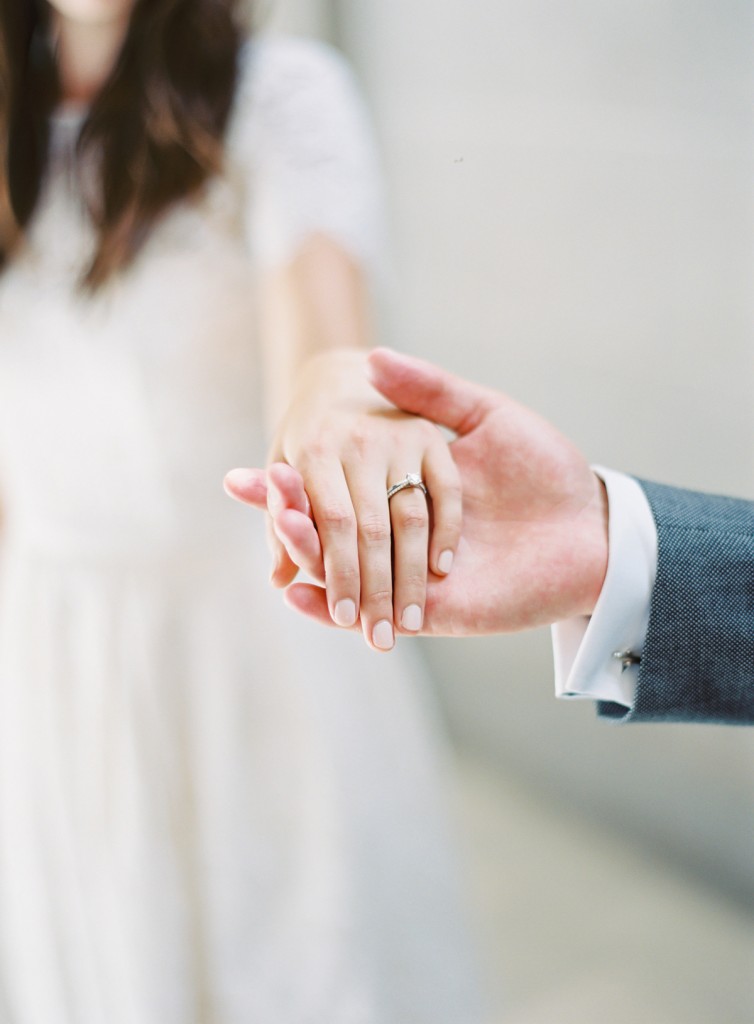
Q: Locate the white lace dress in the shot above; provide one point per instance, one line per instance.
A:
(211, 812)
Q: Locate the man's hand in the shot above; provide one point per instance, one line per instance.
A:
(533, 548)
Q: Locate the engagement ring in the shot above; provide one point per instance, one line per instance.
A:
(410, 480)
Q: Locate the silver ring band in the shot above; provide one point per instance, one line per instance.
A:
(410, 480)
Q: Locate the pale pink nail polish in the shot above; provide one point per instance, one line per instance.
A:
(344, 613)
(412, 618)
(382, 635)
(445, 562)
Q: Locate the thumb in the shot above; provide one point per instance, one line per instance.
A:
(426, 390)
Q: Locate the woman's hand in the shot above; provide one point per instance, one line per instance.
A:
(349, 445)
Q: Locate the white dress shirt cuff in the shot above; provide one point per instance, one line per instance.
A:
(583, 647)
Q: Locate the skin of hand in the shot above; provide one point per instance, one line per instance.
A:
(534, 542)
(348, 444)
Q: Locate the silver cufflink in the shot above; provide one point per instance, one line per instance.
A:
(627, 659)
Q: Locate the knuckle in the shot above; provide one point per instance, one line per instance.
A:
(345, 575)
(315, 452)
(374, 529)
(412, 517)
(336, 517)
(360, 439)
(380, 595)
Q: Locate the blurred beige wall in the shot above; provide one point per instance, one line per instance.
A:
(571, 199)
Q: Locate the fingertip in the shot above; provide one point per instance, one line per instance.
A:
(375, 356)
(294, 599)
(445, 562)
(246, 485)
(378, 360)
(412, 618)
(282, 576)
(379, 352)
(345, 613)
(446, 487)
(383, 636)
(284, 570)
(309, 600)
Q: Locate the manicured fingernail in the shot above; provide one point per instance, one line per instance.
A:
(382, 635)
(412, 618)
(445, 562)
(344, 613)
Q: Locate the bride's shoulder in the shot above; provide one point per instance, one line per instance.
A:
(301, 132)
(280, 76)
(271, 55)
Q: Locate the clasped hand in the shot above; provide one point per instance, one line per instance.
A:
(348, 444)
(513, 535)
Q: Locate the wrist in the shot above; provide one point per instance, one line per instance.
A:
(336, 377)
(333, 362)
(598, 545)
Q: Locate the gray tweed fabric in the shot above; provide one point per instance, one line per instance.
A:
(698, 659)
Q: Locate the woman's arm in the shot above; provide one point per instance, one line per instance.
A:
(315, 225)
(317, 303)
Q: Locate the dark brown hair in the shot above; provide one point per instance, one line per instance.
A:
(155, 129)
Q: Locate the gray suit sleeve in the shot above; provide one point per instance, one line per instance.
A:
(698, 659)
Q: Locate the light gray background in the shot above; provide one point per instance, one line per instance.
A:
(570, 189)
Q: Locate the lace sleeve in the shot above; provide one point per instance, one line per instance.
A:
(303, 130)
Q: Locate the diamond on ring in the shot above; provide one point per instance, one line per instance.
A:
(410, 480)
